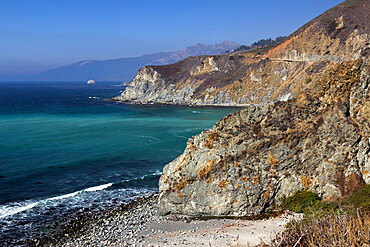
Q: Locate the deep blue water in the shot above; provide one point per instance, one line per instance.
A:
(64, 145)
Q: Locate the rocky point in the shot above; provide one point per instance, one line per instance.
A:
(269, 74)
(309, 130)
(249, 160)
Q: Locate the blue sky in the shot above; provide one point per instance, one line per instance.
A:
(42, 34)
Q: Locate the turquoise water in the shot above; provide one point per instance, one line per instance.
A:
(63, 145)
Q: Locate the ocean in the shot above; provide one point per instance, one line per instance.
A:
(64, 146)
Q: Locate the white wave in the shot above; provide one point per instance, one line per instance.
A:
(100, 187)
(155, 173)
(61, 197)
(152, 174)
(8, 210)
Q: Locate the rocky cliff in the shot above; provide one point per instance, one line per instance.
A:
(318, 141)
(317, 137)
(260, 76)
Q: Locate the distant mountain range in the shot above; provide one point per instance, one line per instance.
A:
(124, 69)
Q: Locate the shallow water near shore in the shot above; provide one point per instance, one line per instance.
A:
(64, 146)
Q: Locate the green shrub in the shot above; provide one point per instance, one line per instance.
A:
(338, 229)
(308, 202)
(325, 223)
(323, 207)
(360, 198)
(300, 201)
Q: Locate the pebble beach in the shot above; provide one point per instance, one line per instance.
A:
(138, 224)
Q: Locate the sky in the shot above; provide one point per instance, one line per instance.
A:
(44, 34)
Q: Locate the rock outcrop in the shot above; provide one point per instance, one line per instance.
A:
(318, 140)
(306, 124)
(261, 76)
(317, 137)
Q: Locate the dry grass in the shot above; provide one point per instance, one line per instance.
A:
(192, 147)
(342, 223)
(209, 144)
(212, 136)
(266, 194)
(305, 182)
(340, 229)
(272, 160)
(222, 184)
(180, 185)
(203, 172)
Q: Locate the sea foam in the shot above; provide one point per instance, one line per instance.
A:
(9, 210)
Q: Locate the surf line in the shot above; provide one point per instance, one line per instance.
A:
(11, 210)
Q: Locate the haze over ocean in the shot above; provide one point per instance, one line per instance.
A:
(41, 35)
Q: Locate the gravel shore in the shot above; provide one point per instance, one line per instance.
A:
(138, 224)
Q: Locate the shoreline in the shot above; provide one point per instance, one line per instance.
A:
(137, 223)
(78, 224)
(156, 104)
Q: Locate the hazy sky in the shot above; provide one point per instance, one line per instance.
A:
(40, 34)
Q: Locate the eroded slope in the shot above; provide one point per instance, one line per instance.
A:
(318, 141)
(264, 75)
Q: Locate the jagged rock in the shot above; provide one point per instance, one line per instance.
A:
(243, 165)
(260, 76)
(318, 140)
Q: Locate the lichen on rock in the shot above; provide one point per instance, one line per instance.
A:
(317, 141)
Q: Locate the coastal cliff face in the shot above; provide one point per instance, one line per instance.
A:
(306, 124)
(261, 76)
(318, 141)
(315, 138)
